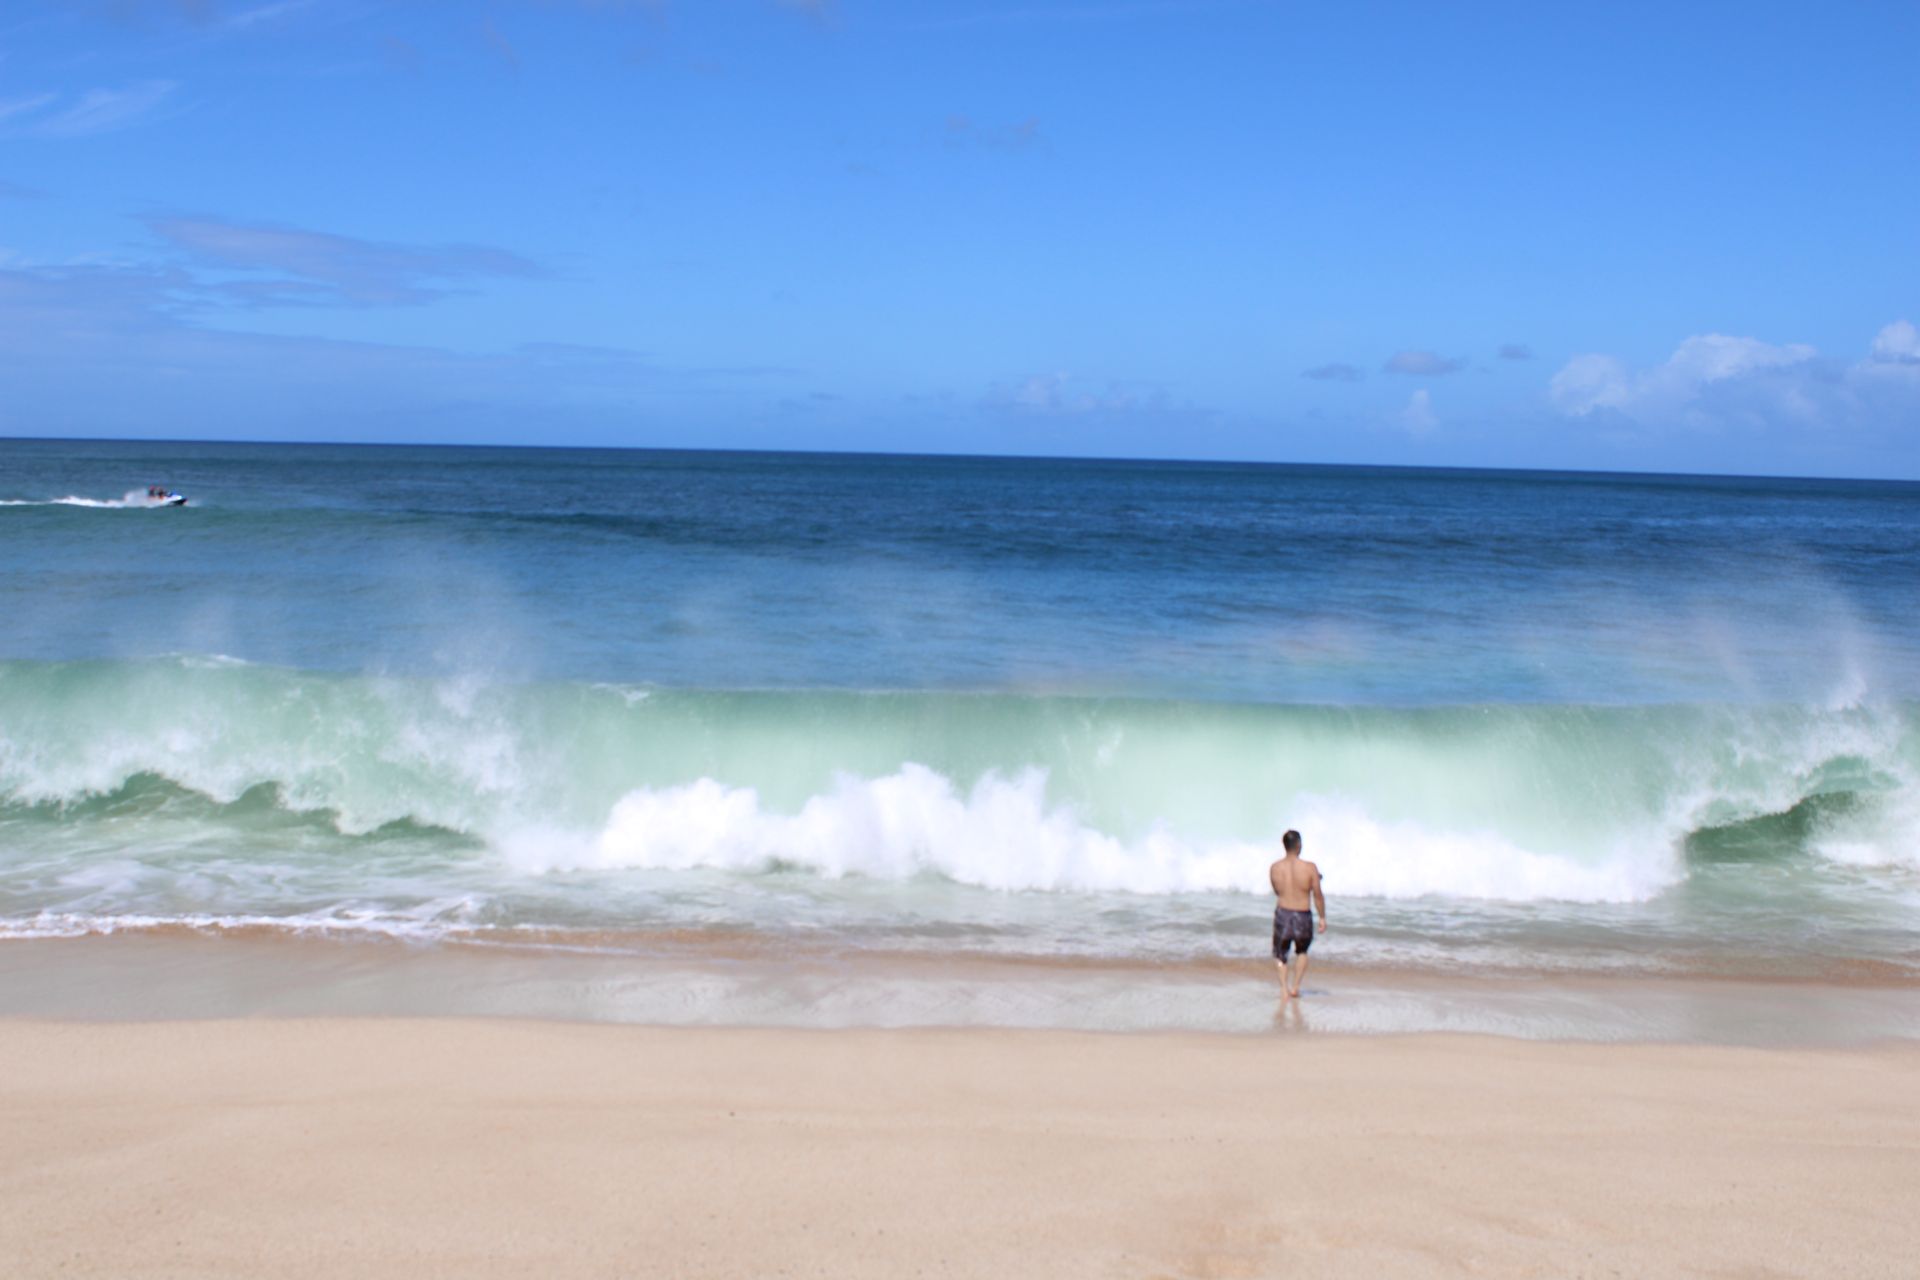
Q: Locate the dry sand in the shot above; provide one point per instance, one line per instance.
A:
(422, 1147)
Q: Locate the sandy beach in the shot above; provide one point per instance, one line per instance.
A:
(409, 1147)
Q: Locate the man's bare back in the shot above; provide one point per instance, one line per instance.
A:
(1296, 886)
(1296, 882)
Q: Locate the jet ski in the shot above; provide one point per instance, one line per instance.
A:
(161, 496)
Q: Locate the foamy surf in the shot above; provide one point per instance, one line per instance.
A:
(1004, 833)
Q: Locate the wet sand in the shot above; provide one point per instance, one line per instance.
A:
(178, 973)
(407, 1147)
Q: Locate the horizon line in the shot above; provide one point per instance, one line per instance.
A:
(961, 457)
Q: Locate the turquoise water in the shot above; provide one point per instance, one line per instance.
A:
(1010, 707)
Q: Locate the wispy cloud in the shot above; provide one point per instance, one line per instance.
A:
(207, 15)
(318, 268)
(62, 326)
(197, 12)
(1027, 15)
(1334, 372)
(1515, 351)
(500, 45)
(36, 304)
(12, 107)
(264, 13)
(174, 32)
(1422, 364)
(401, 55)
(14, 191)
(823, 12)
(964, 131)
(50, 115)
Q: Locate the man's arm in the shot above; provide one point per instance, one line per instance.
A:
(1319, 900)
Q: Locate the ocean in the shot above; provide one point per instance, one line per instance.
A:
(817, 708)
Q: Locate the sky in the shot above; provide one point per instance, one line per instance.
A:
(1623, 237)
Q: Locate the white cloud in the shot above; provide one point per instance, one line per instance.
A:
(1897, 344)
(1418, 417)
(1590, 382)
(1717, 379)
(1679, 384)
(1715, 357)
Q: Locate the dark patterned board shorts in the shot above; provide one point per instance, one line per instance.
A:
(1291, 926)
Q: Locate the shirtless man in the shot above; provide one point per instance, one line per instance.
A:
(1296, 883)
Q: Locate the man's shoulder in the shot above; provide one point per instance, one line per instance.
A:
(1311, 866)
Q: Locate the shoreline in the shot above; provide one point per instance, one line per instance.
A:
(189, 976)
(406, 1146)
(698, 944)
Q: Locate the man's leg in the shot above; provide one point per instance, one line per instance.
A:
(1280, 964)
(1298, 973)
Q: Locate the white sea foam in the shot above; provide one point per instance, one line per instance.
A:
(427, 925)
(1878, 834)
(1004, 833)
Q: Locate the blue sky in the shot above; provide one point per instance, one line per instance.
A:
(1635, 237)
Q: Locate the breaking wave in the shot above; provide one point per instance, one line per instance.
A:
(369, 777)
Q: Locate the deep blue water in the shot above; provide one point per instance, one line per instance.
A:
(716, 570)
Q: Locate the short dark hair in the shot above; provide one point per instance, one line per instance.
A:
(1291, 842)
